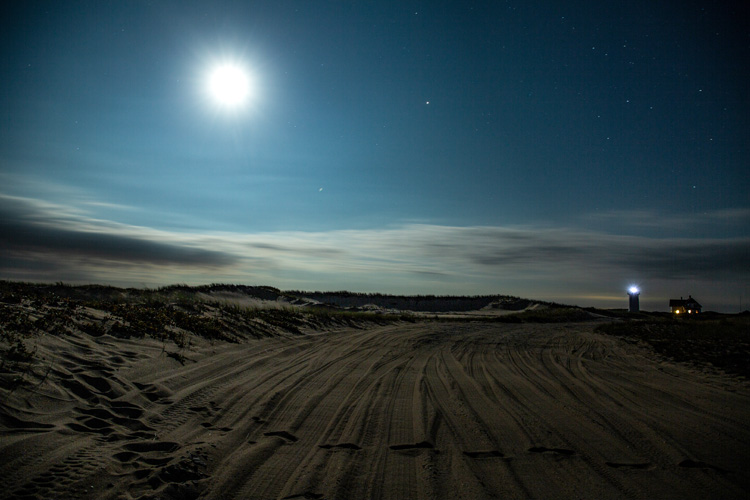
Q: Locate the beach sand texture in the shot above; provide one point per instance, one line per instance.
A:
(440, 410)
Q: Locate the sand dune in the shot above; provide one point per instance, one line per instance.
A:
(423, 410)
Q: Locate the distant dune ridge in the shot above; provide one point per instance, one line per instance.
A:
(230, 391)
(425, 303)
(267, 294)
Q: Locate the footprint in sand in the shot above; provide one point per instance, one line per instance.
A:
(552, 451)
(125, 456)
(156, 461)
(99, 383)
(78, 389)
(415, 449)
(125, 409)
(16, 424)
(485, 454)
(305, 496)
(142, 447)
(693, 464)
(210, 426)
(92, 425)
(179, 479)
(345, 446)
(203, 410)
(154, 393)
(630, 465)
(112, 438)
(422, 445)
(283, 434)
(134, 424)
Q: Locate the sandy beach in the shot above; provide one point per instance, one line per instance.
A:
(408, 410)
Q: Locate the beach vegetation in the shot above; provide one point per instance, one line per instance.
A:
(721, 341)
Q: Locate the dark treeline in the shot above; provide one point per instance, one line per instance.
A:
(424, 303)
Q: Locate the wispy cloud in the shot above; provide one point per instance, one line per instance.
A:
(41, 241)
(46, 241)
(725, 218)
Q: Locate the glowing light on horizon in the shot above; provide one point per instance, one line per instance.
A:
(633, 290)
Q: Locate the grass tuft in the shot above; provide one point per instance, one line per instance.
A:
(724, 343)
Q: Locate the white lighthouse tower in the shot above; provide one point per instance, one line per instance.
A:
(633, 293)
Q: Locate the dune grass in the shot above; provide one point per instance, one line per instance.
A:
(169, 313)
(175, 316)
(549, 315)
(722, 342)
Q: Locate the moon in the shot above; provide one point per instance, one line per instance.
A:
(229, 85)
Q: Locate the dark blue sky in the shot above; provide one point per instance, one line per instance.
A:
(556, 150)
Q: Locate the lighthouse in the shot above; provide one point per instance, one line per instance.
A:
(633, 293)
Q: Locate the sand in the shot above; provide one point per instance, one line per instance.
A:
(411, 410)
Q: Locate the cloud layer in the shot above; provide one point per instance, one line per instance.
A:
(45, 242)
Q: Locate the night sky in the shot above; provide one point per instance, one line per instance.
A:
(553, 150)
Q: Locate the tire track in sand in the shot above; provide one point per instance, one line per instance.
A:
(425, 410)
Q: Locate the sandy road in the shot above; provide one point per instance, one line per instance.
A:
(430, 410)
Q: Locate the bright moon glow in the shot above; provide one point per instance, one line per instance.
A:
(633, 289)
(229, 85)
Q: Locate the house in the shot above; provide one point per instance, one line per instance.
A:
(685, 306)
